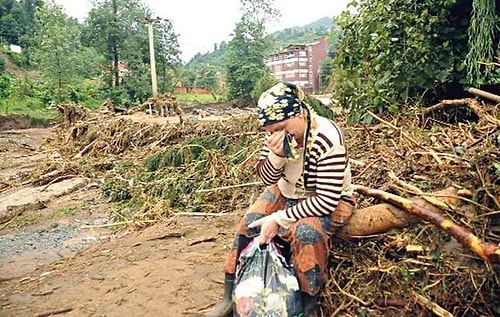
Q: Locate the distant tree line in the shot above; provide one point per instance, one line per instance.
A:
(106, 56)
(386, 55)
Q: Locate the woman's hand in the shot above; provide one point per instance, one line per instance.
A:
(275, 143)
(268, 228)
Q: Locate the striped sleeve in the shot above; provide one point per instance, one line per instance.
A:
(328, 168)
(270, 166)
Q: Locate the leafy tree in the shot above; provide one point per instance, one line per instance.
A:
(167, 54)
(113, 28)
(58, 51)
(4, 87)
(10, 28)
(117, 29)
(17, 23)
(393, 52)
(2, 64)
(206, 77)
(185, 76)
(29, 27)
(248, 49)
(484, 24)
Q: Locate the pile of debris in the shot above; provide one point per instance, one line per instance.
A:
(163, 106)
(452, 169)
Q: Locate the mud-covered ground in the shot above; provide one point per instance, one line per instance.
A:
(72, 260)
(62, 255)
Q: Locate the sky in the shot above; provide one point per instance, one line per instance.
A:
(203, 23)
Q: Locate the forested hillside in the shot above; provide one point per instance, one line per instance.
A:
(279, 39)
(383, 56)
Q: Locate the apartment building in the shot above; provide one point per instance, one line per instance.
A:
(300, 64)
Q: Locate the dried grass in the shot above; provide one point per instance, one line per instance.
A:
(158, 170)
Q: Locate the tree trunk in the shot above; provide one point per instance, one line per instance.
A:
(402, 212)
(385, 217)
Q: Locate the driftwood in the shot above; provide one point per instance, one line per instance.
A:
(384, 217)
(484, 94)
(85, 149)
(472, 103)
(401, 212)
(71, 113)
(163, 106)
(108, 107)
(430, 305)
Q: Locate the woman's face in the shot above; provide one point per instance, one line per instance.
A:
(295, 126)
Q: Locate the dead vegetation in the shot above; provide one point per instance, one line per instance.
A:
(164, 106)
(206, 167)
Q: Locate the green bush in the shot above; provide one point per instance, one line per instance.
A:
(390, 52)
(320, 109)
(2, 65)
(18, 59)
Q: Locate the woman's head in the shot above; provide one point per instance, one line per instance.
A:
(281, 102)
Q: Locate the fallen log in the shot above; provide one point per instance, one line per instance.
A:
(400, 212)
(384, 217)
(484, 94)
(85, 149)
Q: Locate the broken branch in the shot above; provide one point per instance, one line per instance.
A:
(486, 251)
(484, 94)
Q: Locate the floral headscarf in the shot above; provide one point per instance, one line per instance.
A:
(281, 102)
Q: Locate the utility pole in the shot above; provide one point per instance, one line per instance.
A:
(149, 22)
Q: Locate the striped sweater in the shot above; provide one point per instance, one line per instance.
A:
(329, 173)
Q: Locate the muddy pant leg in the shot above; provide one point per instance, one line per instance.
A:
(268, 202)
(308, 238)
(309, 244)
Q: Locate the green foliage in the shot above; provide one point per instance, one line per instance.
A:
(115, 192)
(24, 220)
(216, 58)
(318, 107)
(248, 49)
(10, 26)
(484, 24)
(118, 96)
(393, 50)
(26, 96)
(262, 85)
(202, 161)
(65, 211)
(2, 65)
(118, 30)
(17, 59)
(112, 28)
(204, 75)
(191, 98)
(58, 52)
(116, 185)
(17, 21)
(5, 89)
